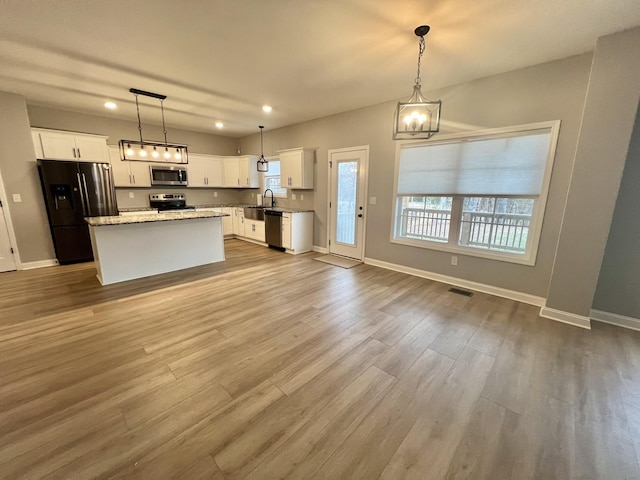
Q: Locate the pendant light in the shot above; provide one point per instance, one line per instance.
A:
(417, 118)
(263, 164)
(136, 149)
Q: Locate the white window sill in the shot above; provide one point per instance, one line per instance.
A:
(529, 260)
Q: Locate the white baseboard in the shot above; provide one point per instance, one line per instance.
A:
(615, 319)
(318, 249)
(38, 264)
(566, 317)
(460, 282)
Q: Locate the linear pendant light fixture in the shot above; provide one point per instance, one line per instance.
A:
(417, 118)
(263, 164)
(145, 151)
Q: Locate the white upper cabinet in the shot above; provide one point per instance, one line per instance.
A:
(296, 168)
(128, 174)
(205, 170)
(241, 172)
(58, 145)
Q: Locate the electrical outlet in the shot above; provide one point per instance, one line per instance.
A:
(372, 200)
(17, 198)
(454, 260)
(293, 196)
(131, 195)
(215, 194)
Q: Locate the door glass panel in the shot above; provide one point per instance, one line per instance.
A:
(347, 197)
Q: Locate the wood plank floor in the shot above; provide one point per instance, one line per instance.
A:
(274, 366)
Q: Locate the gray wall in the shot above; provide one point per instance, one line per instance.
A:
(609, 114)
(618, 289)
(551, 91)
(20, 175)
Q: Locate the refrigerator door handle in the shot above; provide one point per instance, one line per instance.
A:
(83, 194)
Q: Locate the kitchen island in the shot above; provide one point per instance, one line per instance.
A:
(136, 246)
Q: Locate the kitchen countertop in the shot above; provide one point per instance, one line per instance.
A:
(288, 210)
(149, 217)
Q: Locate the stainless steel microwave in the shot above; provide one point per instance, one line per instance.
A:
(168, 175)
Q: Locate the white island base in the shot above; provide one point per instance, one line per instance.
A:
(125, 251)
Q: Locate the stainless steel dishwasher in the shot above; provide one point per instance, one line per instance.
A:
(273, 228)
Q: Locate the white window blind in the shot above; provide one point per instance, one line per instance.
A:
(507, 165)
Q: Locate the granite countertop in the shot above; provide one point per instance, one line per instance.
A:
(288, 210)
(149, 217)
(138, 209)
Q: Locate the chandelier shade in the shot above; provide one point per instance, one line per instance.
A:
(417, 118)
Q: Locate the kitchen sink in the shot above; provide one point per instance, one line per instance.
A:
(254, 212)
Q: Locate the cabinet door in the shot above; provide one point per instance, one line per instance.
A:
(296, 169)
(120, 169)
(232, 172)
(196, 170)
(140, 173)
(58, 146)
(227, 222)
(249, 171)
(286, 232)
(215, 171)
(91, 149)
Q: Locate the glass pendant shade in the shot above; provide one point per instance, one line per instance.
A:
(263, 164)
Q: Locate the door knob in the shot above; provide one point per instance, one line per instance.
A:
(360, 215)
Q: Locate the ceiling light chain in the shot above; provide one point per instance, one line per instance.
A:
(420, 52)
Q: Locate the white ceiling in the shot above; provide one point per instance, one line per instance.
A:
(221, 60)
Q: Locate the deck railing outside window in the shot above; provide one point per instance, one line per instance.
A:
(503, 232)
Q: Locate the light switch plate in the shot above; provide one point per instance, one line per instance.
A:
(302, 196)
(372, 200)
(215, 194)
(17, 198)
(293, 196)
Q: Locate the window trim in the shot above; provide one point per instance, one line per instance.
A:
(263, 179)
(538, 212)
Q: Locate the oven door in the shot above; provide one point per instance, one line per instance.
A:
(168, 175)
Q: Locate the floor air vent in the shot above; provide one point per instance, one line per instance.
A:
(466, 293)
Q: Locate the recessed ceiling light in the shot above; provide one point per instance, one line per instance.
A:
(110, 105)
(267, 108)
(219, 124)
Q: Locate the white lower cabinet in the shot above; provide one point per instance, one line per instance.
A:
(254, 229)
(297, 232)
(227, 222)
(238, 221)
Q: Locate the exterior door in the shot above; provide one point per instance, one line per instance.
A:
(348, 193)
(7, 258)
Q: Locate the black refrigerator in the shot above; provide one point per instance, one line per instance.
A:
(73, 191)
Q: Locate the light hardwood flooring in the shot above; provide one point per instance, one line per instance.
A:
(274, 366)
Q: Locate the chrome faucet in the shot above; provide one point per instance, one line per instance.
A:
(273, 200)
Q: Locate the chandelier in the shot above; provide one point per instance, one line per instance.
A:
(147, 151)
(417, 118)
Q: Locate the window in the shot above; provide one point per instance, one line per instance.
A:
(272, 179)
(481, 193)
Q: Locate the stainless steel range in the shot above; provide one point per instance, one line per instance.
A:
(170, 202)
